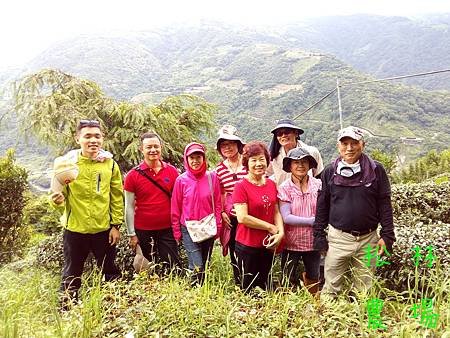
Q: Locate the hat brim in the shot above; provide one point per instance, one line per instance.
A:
(353, 137)
(287, 162)
(287, 125)
(196, 150)
(140, 263)
(55, 186)
(229, 138)
(63, 177)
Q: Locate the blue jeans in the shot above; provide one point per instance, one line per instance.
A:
(198, 255)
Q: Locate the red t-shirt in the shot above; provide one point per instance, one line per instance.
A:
(152, 206)
(261, 201)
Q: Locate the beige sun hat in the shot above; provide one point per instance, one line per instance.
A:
(228, 133)
(64, 172)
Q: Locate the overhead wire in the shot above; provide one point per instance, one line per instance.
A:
(365, 82)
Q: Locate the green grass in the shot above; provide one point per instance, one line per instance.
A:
(152, 307)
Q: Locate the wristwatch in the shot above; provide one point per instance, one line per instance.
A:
(117, 226)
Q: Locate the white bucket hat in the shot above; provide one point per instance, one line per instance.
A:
(228, 133)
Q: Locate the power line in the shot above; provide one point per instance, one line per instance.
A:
(365, 82)
(315, 104)
(396, 77)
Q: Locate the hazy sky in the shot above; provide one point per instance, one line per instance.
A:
(28, 27)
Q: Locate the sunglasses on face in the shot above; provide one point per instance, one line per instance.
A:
(89, 123)
(281, 132)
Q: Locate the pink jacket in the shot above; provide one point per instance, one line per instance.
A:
(191, 200)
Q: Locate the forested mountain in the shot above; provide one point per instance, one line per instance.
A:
(382, 46)
(256, 76)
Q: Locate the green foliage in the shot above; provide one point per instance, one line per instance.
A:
(151, 306)
(39, 214)
(387, 160)
(422, 218)
(49, 254)
(430, 165)
(50, 103)
(13, 185)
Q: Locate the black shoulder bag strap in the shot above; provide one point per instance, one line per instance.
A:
(140, 171)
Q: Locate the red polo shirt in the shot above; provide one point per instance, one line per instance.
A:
(152, 206)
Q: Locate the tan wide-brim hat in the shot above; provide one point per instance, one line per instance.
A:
(63, 173)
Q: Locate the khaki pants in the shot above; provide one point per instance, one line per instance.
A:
(346, 253)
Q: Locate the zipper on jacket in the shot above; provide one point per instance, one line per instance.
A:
(99, 179)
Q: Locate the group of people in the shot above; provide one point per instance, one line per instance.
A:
(259, 201)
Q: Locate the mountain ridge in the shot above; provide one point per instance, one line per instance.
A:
(256, 78)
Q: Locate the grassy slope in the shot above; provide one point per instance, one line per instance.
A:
(149, 306)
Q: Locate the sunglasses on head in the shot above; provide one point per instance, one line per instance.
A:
(89, 123)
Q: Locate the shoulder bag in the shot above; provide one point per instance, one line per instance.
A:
(205, 228)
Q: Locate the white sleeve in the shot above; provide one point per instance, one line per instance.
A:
(129, 212)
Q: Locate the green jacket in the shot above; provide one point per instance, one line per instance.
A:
(94, 200)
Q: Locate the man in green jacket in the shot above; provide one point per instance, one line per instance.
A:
(93, 210)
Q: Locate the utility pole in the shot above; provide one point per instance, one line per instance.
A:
(339, 102)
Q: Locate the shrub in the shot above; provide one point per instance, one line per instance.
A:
(41, 215)
(49, 254)
(13, 184)
(422, 219)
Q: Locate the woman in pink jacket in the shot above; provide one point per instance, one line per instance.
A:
(192, 199)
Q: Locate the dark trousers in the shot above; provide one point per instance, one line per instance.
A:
(231, 248)
(77, 248)
(290, 263)
(159, 246)
(254, 266)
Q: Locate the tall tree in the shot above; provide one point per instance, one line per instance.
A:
(50, 103)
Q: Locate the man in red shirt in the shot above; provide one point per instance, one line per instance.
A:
(148, 188)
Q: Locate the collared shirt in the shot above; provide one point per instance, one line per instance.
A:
(152, 206)
(357, 208)
(300, 238)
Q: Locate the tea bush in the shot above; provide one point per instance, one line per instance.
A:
(13, 185)
(422, 219)
(49, 254)
(39, 214)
